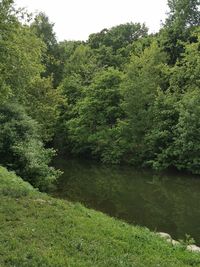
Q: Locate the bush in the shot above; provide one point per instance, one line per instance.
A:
(21, 149)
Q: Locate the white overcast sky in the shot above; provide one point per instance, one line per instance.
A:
(76, 19)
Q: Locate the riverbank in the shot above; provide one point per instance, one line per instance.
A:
(38, 230)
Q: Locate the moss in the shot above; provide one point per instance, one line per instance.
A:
(37, 231)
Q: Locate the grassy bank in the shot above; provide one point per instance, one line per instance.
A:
(37, 230)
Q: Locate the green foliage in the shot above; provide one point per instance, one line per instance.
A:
(119, 36)
(72, 89)
(122, 95)
(20, 63)
(43, 29)
(185, 75)
(174, 138)
(183, 19)
(5, 14)
(187, 135)
(20, 60)
(160, 138)
(145, 74)
(42, 104)
(19, 54)
(97, 112)
(112, 47)
(139, 120)
(187, 241)
(81, 62)
(64, 51)
(21, 149)
(183, 13)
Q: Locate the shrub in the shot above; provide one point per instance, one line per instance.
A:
(21, 148)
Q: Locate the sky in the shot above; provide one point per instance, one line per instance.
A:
(77, 19)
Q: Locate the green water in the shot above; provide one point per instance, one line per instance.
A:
(168, 203)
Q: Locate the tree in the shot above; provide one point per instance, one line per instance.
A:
(145, 74)
(183, 14)
(112, 46)
(5, 14)
(97, 114)
(183, 18)
(43, 29)
(20, 53)
(20, 77)
(187, 133)
(173, 140)
(43, 105)
(159, 140)
(119, 36)
(185, 75)
(20, 59)
(82, 62)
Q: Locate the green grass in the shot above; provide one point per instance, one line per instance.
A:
(38, 230)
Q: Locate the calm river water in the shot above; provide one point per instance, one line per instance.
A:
(168, 203)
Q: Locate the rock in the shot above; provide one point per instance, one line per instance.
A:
(175, 243)
(193, 248)
(165, 236)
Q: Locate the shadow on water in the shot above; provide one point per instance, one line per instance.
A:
(168, 203)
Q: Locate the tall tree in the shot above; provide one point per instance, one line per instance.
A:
(112, 46)
(20, 54)
(144, 76)
(183, 14)
(97, 114)
(43, 28)
(118, 36)
(185, 75)
(21, 67)
(187, 133)
(82, 62)
(183, 18)
(21, 146)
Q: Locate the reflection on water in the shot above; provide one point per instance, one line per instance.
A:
(167, 203)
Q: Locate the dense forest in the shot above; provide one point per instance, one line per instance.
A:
(122, 96)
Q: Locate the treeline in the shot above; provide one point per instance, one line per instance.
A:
(29, 101)
(134, 97)
(121, 96)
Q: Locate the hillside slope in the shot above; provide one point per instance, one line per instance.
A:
(39, 231)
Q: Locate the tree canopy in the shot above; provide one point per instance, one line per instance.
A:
(122, 96)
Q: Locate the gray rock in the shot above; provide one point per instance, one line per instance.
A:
(193, 248)
(175, 243)
(165, 236)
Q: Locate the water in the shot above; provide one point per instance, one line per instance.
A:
(167, 203)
